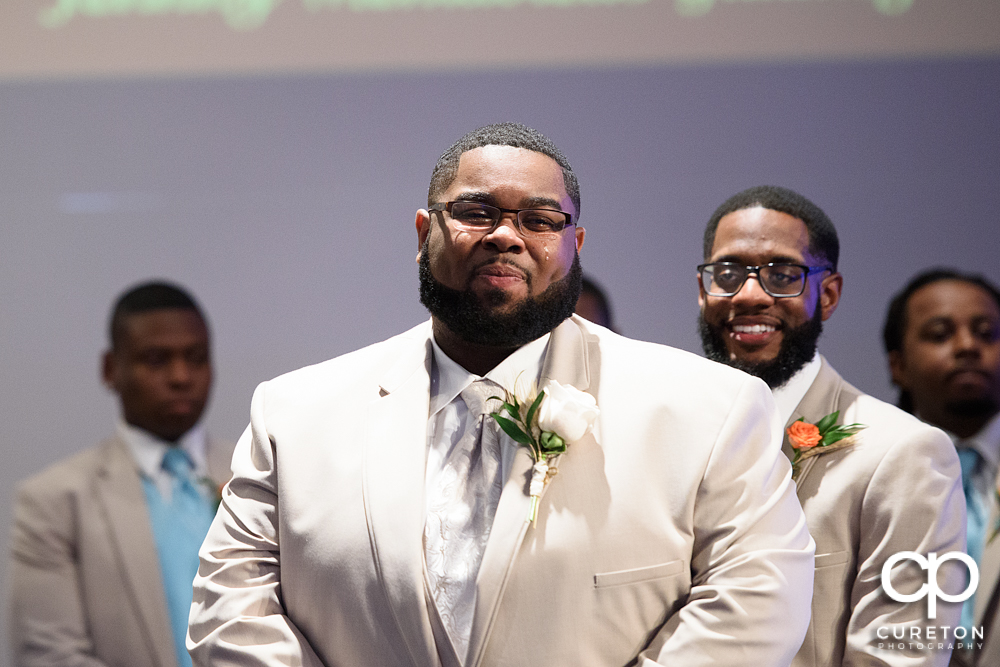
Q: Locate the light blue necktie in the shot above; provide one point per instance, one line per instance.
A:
(179, 528)
(977, 513)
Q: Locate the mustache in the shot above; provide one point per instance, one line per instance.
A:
(968, 368)
(797, 348)
(477, 320)
(505, 261)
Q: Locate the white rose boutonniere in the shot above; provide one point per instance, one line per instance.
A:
(546, 422)
(567, 411)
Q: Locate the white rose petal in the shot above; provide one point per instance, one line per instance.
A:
(567, 411)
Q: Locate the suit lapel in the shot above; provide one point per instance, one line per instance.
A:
(820, 400)
(394, 481)
(120, 491)
(568, 360)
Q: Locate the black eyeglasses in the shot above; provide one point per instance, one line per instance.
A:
(777, 279)
(475, 216)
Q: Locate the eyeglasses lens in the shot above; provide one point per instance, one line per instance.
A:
(529, 221)
(784, 279)
(725, 279)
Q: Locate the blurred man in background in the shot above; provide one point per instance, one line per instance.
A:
(942, 335)
(594, 304)
(106, 542)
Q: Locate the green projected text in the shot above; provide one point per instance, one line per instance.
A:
(252, 14)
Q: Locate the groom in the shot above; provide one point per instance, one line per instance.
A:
(378, 516)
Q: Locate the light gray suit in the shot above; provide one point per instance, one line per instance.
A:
(85, 575)
(898, 489)
(671, 534)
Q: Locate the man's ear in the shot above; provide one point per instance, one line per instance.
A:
(897, 369)
(829, 294)
(108, 370)
(423, 225)
(701, 292)
(581, 234)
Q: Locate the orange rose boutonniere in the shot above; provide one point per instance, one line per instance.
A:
(803, 435)
(824, 436)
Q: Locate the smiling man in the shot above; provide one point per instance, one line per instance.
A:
(105, 544)
(379, 517)
(768, 283)
(942, 335)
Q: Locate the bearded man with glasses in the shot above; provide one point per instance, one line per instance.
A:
(893, 484)
(378, 517)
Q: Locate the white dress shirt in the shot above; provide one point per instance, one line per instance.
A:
(987, 443)
(448, 421)
(788, 396)
(147, 450)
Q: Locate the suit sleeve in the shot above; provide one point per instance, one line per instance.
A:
(752, 560)
(48, 623)
(914, 502)
(237, 618)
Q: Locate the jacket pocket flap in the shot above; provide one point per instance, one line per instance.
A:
(638, 574)
(826, 560)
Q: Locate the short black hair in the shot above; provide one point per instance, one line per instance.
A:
(514, 135)
(823, 241)
(895, 317)
(145, 297)
(894, 328)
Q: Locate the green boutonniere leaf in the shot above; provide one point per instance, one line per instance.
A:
(512, 429)
(534, 408)
(509, 407)
(833, 437)
(838, 433)
(825, 423)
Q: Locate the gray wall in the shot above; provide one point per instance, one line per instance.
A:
(287, 206)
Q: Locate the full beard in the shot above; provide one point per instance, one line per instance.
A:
(798, 347)
(478, 320)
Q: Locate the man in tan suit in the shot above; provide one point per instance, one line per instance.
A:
(942, 335)
(361, 528)
(105, 542)
(769, 281)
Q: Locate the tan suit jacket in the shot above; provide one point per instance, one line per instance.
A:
(988, 600)
(898, 489)
(671, 534)
(987, 609)
(85, 575)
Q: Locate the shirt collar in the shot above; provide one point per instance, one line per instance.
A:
(986, 441)
(147, 450)
(448, 380)
(788, 396)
